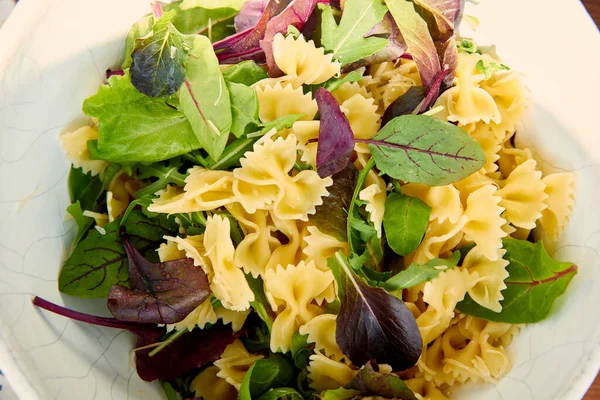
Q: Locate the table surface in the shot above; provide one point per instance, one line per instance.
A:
(593, 7)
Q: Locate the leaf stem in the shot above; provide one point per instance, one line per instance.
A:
(360, 182)
(167, 342)
(157, 9)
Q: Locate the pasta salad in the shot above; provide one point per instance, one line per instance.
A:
(312, 200)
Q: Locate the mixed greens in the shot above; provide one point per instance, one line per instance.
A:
(185, 98)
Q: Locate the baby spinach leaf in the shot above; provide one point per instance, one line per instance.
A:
(534, 283)
(83, 223)
(405, 104)
(405, 222)
(422, 149)
(369, 381)
(157, 68)
(417, 273)
(268, 373)
(339, 394)
(159, 293)
(246, 73)
(372, 324)
(347, 40)
(100, 261)
(260, 304)
(301, 350)
(80, 182)
(205, 99)
(281, 393)
(488, 70)
(204, 21)
(153, 130)
(244, 108)
(86, 193)
(332, 216)
(418, 39)
(336, 140)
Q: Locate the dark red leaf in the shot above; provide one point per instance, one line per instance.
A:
(404, 105)
(434, 91)
(336, 140)
(160, 293)
(250, 14)
(369, 381)
(191, 350)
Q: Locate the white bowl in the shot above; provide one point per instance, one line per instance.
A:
(54, 53)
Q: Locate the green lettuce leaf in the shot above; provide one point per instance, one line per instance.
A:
(405, 222)
(269, 373)
(417, 273)
(244, 108)
(153, 130)
(535, 281)
(346, 40)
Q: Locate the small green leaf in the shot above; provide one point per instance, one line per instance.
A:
(100, 261)
(260, 305)
(244, 108)
(140, 29)
(467, 46)
(83, 223)
(268, 373)
(86, 193)
(78, 182)
(233, 152)
(423, 149)
(279, 124)
(301, 350)
(369, 381)
(347, 40)
(218, 22)
(281, 393)
(246, 73)
(417, 273)
(405, 222)
(335, 83)
(339, 394)
(204, 97)
(490, 69)
(534, 283)
(157, 68)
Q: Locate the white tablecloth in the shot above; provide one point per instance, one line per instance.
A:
(6, 393)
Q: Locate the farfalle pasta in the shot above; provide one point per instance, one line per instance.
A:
(281, 276)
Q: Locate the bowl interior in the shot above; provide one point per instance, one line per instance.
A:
(54, 54)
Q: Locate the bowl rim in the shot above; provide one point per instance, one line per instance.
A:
(15, 30)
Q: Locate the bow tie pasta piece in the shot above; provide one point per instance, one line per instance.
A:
(228, 282)
(291, 292)
(289, 253)
(440, 238)
(304, 132)
(302, 61)
(235, 318)
(490, 144)
(374, 193)
(204, 190)
(203, 314)
(560, 189)
(320, 247)
(425, 390)
(444, 200)
(170, 252)
(327, 374)
(255, 250)
(193, 247)
(511, 157)
(488, 290)
(389, 80)
(523, 195)
(349, 90)
(277, 100)
(264, 181)
(208, 386)
(121, 191)
(472, 183)
(483, 223)
(442, 294)
(76, 150)
(362, 115)
(235, 362)
(321, 332)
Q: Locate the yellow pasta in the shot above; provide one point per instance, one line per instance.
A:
(325, 373)
(234, 363)
(277, 100)
(321, 332)
(560, 192)
(208, 386)
(76, 150)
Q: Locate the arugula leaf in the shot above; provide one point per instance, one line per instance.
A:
(347, 40)
(157, 69)
(100, 261)
(85, 192)
(369, 381)
(331, 217)
(281, 393)
(405, 222)
(417, 273)
(233, 152)
(336, 139)
(422, 149)
(373, 324)
(205, 99)
(418, 39)
(153, 130)
(300, 350)
(279, 124)
(244, 108)
(334, 83)
(260, 304)
(246, 73)
(405, 104)
(166, 174)
(535, 281)
(78, 182)
(490, 69)
(267, 373)
(339, 394)
(159, 293)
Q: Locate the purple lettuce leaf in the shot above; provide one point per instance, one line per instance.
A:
(449, 62)
(160, 293)
(296, 14)
(434, 91)
(191, 350)
(250, 14)
(444, 14)
(369, 381)
(336, 139)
